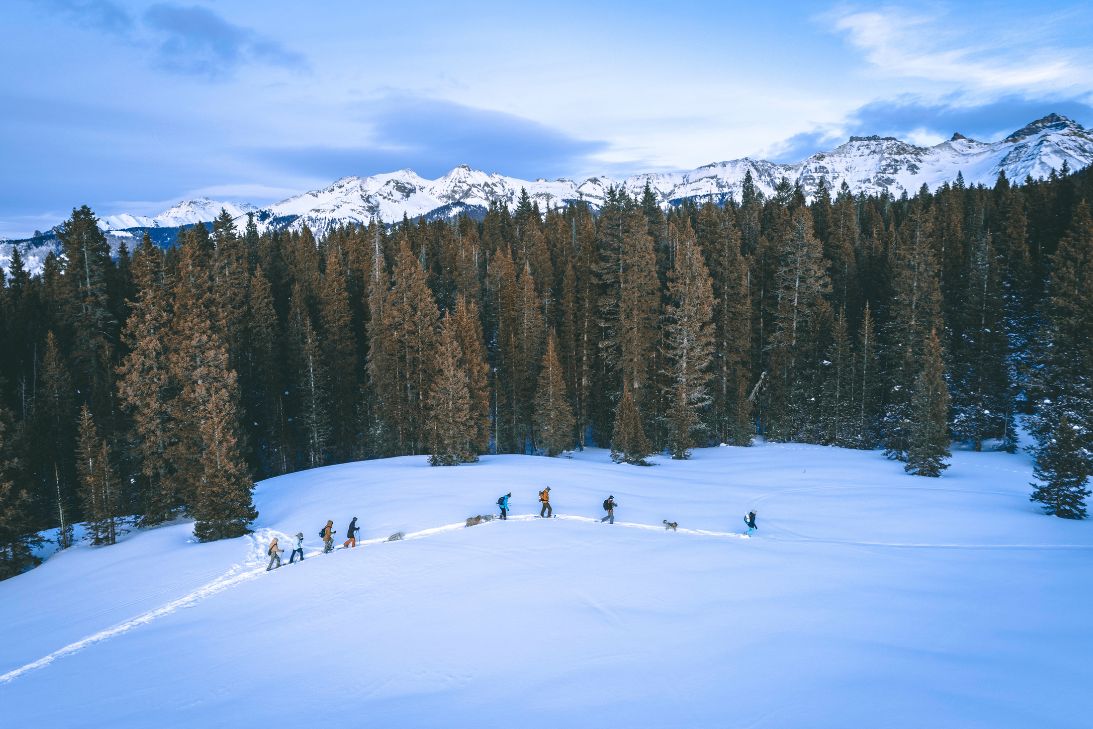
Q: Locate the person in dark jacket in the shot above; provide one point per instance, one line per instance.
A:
(749, 519)
(351, 533)
(609, 505)
(544, 497)
(503, 503)
(299, 549)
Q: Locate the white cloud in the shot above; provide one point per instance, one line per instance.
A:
(980, 60)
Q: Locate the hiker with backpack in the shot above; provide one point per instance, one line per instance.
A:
(749, 519)
(503, 504)
(274, 553)
(327, 534)
(544, 497)
(299, 549)
(609, 506)
(352, 534)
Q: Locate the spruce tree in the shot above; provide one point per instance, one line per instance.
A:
(53, 428)
(628, 441)
(929, 430)
(688, 348)
(553, 415)
(90, 321)
(222, 505)
(262, 378)
(1062, 469)
(16, 534)
(310, 383)
(452, 427)
(915, 311)
(99, 482)
(472, 360)
(1062, 383)
(339, 353)
(145, 386)
(801, 281)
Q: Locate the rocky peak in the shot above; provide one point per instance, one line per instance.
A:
(1052, 122)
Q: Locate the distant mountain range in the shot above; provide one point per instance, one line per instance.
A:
(866, 164)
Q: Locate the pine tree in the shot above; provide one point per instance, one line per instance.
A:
(720, 240)
(339, 354)
(915, 311)
(310, 383)
(90, 320)
(867, 375)
(628, 441)
(16, 535)
(383, 401)
(222, 506)
(145, 386)
(503, 305)
(688, 347)
(412, 317)
(929, 431)
(472, 360)
(802, 281)
(1063, 469)
(451, 423)
(99, 482)
(837, 411)
(54, 417)
(983, 396)
(553, 415)
(1062, 383)
(262, 378)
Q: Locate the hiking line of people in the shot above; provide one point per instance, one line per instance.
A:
(546, 511)
(274, 551)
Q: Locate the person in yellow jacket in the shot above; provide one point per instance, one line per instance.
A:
(544, 497)
(274, 553)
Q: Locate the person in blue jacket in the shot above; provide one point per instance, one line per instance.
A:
(503, 503)
(749, 519)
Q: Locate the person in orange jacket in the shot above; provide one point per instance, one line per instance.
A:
(328, 536)
(544, 497)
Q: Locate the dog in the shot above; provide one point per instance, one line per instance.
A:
(396, 537)
(474, 520)
(670, 525)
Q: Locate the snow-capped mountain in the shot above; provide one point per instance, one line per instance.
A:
(188, 212)
(868, 165)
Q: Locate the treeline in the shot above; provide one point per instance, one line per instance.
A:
(161, 382)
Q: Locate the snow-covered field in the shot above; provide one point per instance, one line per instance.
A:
(868, 598)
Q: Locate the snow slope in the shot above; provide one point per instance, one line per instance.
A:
(868, 598)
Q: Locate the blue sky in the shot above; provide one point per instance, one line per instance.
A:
(133, 106)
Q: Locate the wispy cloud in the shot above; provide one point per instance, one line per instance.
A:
(902, 43)
(188, 40)
(196, 41)
(432, 136)
(98, 14)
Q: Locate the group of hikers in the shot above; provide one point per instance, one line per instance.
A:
(546, 511)
(326, 534)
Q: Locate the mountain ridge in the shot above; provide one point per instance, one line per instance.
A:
(871, 164)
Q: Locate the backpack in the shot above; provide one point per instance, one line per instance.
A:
(501, 501)
(542, 495)
(322, 532)
(607, 504)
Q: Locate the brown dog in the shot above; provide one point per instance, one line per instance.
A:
(475, 520)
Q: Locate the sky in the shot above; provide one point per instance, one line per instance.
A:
(132, 106)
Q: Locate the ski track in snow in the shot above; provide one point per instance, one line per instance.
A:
(251, 568)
